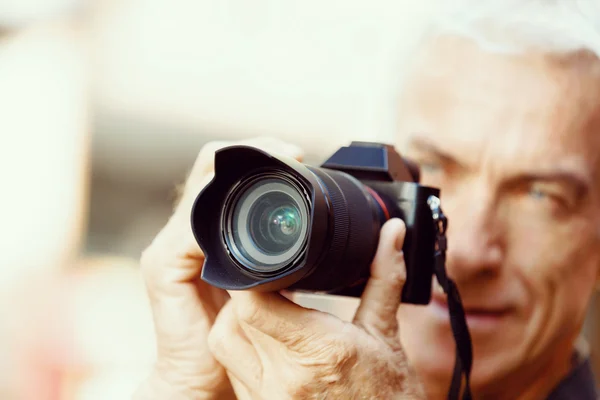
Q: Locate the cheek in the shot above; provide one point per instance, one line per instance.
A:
(552, 252)
(558, 265)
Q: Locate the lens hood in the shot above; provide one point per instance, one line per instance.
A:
(234, 165)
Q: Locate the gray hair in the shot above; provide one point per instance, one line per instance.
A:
(559, 27)
(565, 30)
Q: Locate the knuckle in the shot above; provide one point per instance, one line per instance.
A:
(397, 279)
(398, 276)
(400, 257)
(171, 257)
(332, 356)
(304, 384)
(328, 368)
(249, 312)
(346, 353)
(301, 389)
(218, 337)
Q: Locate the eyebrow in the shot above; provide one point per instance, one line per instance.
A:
(427, 146)
(580, 181)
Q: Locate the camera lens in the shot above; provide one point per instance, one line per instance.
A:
(266, 223)
(275, 223)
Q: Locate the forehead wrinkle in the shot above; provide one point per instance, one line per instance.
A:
(540, 124)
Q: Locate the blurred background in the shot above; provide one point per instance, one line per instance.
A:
(104, 105)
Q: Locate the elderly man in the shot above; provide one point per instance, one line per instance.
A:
(504, 116)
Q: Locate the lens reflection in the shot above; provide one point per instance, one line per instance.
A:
(268, 224)
(275, 223)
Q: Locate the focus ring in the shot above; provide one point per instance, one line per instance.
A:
(342, 225)
(354, 233)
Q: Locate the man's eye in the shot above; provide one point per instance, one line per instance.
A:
(429, 166)
(538, 194)
(551, 195)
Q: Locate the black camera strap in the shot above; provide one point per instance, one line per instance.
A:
(460, 331)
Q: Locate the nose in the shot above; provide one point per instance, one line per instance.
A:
(475, 234)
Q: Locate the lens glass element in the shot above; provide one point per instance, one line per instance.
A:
(268, 224)
(274, 222)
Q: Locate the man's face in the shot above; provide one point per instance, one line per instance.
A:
(514, 144)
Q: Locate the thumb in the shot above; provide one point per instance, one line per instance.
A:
(381, 297)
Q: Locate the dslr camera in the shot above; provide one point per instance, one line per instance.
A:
(269, 223)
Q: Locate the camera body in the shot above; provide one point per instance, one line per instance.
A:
(269, 223)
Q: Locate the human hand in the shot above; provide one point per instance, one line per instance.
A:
(275, 349)
(184, 307)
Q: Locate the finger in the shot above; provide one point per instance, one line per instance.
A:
(173, 262)
(171, 265)
(183, 307)
(240, 390)
(174, 257)
(229, 345)
(381, 297)
(274, 315)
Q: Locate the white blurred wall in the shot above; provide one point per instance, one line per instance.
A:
(44, 136)
(44, 129)
(16, 14)
(318, 73)
(171, 75)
